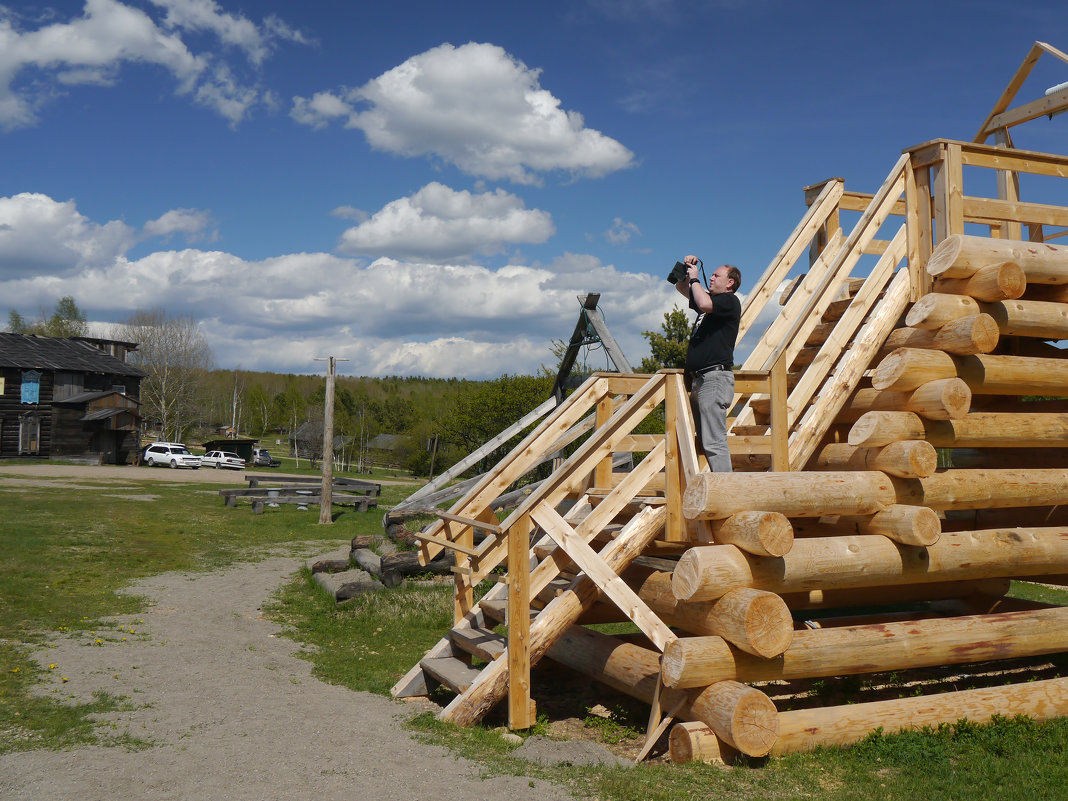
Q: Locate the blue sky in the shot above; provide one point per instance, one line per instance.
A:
(424, 187)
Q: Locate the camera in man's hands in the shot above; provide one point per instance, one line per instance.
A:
(678, 272)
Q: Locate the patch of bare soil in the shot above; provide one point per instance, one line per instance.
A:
(230, 711)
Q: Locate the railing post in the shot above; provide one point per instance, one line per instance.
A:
(521, 712)
(675, 530)
(780, 421)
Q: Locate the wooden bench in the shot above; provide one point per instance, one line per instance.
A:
(301, 495)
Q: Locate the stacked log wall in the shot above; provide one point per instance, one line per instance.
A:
(907, 561)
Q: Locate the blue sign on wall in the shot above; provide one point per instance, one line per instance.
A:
(31, 387)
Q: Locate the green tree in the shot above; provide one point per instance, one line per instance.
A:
(668, 348)
(66, 320)
(490, 407)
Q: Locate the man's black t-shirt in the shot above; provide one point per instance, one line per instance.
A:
(714, 333)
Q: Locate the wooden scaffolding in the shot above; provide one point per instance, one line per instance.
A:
(899, 441)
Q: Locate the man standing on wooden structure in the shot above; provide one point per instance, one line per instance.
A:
(710, 355)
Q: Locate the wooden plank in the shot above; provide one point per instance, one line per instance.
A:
(469, 521)
(1015, 83)
(845, 329)
(519, 625)
(458, 676)
(815, 422)
(1048, 104)
(599, 518)
(675, 530)
(486, 645)
(991, 210)
(421, 494)
(531, 451)
(607, 581)
(576, 470)
(764, 287)
(446, 543)
(554, 620)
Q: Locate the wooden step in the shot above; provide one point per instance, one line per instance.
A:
(484, 644)
(454, 673)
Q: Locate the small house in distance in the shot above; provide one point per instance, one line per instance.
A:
(68, 398)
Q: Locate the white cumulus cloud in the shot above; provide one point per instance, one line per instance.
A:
(390, 316)
(441, 224)
(93, 48)
(473, 106)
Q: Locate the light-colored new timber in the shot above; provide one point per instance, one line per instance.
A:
(850, 650)
(707, 572)
(803, 730)
(810, 494)
(1004, 281)
(961, 255)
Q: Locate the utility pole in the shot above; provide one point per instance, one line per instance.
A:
(326, 491)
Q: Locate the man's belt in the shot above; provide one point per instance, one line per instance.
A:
(712, 368)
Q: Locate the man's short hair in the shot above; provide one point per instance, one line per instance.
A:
(735, 276)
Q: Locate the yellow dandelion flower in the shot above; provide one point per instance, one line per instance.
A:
(53, 666)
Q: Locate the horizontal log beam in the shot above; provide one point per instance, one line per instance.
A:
(805, 729)
(705, 573)
(851, 650)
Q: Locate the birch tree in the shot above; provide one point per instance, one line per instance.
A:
(175, 354)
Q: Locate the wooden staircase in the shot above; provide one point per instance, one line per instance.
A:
(890, 342)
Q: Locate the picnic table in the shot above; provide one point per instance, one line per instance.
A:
(303, 491)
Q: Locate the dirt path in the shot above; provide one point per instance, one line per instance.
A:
(142, 473)
(232, 713)
(230, 710)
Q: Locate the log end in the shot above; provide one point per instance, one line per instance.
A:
(743, 717)
(769, 626)
(944, 255)
(696, 742)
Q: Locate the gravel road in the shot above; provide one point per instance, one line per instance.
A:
(230, 710)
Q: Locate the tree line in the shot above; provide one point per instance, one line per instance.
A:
(434, 422)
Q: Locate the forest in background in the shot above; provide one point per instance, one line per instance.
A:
(433, 422)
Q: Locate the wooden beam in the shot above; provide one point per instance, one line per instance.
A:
(607, 581)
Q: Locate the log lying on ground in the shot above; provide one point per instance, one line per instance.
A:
(985, 374)
(993, 282)
(975, 430)
(696, 742)
(877, 647)
(707, 572)
(977, 333)
(709, 496)
(754, 621)
(741, 716)
(962, 255)
(805, 729)
(394, 567)
(1029, 318)
(348, 584)
(758, 533)
(912, 458)
(944, 399)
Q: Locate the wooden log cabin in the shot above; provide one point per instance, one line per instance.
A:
(900, 446)
(74, 398)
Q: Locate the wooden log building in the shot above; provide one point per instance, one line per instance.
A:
(75, 398)
(900, 446)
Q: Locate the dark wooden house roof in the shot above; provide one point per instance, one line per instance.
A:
(54, 353)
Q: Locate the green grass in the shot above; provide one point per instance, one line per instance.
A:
(65, 554)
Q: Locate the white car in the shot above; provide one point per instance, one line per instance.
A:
(174, 454)
(219, 459)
